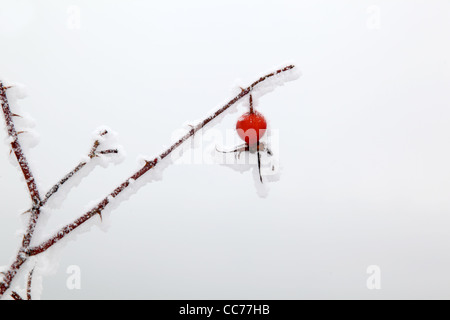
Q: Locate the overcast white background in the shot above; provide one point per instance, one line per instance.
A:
(364, 145)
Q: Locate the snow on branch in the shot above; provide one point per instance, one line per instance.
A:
(26, 251)
(94, 153)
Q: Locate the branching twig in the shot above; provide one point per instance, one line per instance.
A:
(37, 202)
(98, 209)
(92, 154)
(148, 166)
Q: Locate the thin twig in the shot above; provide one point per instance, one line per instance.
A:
(109, 151)
(96, 144)
(66, 178)
(92, 154)
(148, 166)
(16, 296)
(29, 282)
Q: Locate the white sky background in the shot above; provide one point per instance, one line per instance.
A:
(364, 145)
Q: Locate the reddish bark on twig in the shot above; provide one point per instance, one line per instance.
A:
(32, 188)
(16, 296)
(29, 282)
(148, 165)
(27, 251)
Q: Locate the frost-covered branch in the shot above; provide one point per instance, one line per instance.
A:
(16, 296)
(16, 148)
(92, 154)
(26, 251)
(63, 232)
(37, 202)
(29, 282)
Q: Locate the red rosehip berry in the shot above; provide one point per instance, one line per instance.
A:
(251, 126)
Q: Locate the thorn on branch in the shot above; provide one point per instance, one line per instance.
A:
(69, 228)
(28, 211)
(32, 189)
